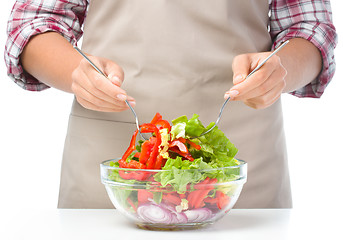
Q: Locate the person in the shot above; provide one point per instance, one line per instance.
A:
(179, 58)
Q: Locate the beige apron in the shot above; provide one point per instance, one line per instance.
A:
(177, 58)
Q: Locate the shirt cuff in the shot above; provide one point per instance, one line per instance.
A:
(16, 42)
(325, 40)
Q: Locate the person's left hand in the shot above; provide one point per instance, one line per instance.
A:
(261, 89)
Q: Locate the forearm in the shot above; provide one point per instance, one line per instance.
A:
(51, 59)
(303, 63)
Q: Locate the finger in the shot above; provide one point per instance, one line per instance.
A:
(107, 87)
(267, 99)
(272, 81)
(101, 82)
(91, 106)
(82, 93)
(249, 85)
(84, 82)
(257, 79)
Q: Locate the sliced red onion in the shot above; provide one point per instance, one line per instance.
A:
(168, 207)
(161, 213)
(179, 218)
(198, 215)
(155, 214)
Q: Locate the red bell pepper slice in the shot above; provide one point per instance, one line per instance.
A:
(132, 146)
(126, 175)
(202, 184)
(156, 118)
(193, 144)
(163, 124)
(143, 196)
(223, 200)
(158, 163)
(153, 157)
(172, 198)
(196, 198)
(210, 200)
(135, 164)
(185, 155)
(142, 176)
(122, 163)
(196, 146)
(132, 164)
(182, 154)
(180, 148)
(158, 121)
(180, 145)
(191, 198)
(146, 128)
(137, 175)
(147, 147)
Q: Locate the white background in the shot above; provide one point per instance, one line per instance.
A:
(33, 127)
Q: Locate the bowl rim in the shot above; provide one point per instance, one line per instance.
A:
(103, 166)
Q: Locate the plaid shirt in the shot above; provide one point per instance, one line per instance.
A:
(311, 20)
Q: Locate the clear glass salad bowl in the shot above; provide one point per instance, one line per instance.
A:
(152, 202)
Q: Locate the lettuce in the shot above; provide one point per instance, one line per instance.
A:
(178, 130)
(216, 152)
(196, 171)
(215, 146)
(183, 127)
(177, 177)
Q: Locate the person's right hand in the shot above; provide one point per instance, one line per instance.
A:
(96, 92)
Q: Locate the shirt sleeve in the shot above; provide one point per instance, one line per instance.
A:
(29, 18)
(311, 20)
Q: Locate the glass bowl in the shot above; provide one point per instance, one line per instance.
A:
(165, 200)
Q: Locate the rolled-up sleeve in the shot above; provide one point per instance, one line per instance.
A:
(311, 20)
(29, 18)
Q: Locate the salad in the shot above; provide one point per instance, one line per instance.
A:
(178, 175)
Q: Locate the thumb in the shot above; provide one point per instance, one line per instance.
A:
(240, 67)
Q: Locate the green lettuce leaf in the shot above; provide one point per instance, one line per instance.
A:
(215, 146)
(184, 172)
(194, 127)
(177, 177)
(178, 130)
(182, 119)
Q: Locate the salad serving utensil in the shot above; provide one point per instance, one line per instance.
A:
(102, 73)
(251, 73)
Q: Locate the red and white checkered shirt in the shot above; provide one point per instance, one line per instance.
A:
(311, 20)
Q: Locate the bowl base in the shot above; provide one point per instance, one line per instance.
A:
(156, 227)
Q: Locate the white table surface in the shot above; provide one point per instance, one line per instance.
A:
(110, 224)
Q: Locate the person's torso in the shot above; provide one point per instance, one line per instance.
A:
(176, 55)
(177, 58)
